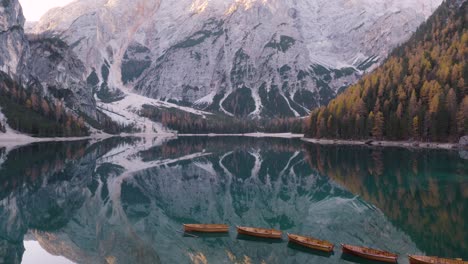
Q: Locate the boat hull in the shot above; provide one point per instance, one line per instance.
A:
(206, 228)
(433, 260)
(260, 232)
(387, 259)
(296, 240)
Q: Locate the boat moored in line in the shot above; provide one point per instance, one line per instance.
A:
(311, 242)
(370, 253)
(433, 260)
(259, 232)
(206, 228)
(321, 245)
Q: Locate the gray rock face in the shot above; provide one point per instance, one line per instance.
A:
(61, 73)
(464, 154)
(46, 65)
(266, 74)
(136, 60)
(241, 57)
(14, 49)
(463, 142)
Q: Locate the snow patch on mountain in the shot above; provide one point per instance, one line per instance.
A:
(246, 58)
(126, 112)
(10, 137)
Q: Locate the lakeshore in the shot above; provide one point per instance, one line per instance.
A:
(385, 143)
(17, 139)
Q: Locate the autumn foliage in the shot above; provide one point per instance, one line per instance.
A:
(29, 112)
(188, 123)
(419, 93)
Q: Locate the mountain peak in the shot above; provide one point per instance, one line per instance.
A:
(296, 54)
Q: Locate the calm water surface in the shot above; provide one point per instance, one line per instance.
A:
(124, 200)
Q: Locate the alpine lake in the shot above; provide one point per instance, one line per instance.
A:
(124, 200)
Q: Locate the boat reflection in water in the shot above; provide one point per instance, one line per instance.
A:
(312, 243)
(423, 192)
(123, 200)
(206, 228)
(259, 232)
(370, 253)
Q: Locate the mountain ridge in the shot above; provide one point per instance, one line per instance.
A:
(280, 58)
(234, 60)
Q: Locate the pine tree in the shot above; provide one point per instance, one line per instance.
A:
(462, 117)
(360, 107)
(451, 105)
(399, 111)
(34, 101)
(415, 128)
(377, 130)
(413, 104)
(45, 107)
(331, 126)
(370, 124)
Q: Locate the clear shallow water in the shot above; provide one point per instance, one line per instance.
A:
(124, 200)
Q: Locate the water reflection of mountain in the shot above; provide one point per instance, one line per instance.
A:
(123, 200)
(423, 192)
(43, 187)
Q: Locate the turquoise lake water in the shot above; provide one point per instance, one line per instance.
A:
(124, 200)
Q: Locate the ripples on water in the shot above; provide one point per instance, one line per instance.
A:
(123, 200)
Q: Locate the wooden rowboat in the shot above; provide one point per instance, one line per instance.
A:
(433, 260)
(259, 232)
(311, 243)
(206, 228)
(370, 253)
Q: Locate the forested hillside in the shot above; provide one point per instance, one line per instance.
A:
(419, 93)
(187, 123)
(29, 112)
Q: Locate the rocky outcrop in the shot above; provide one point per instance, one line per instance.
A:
(463, 143)
(245, 58)
(42, 65)
(61, 74)
(14, 48)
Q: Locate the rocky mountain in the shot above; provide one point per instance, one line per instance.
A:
(61, 74)
(14, 48)
(46, 90)
(243, 59)
(43, 83)
(246, 58)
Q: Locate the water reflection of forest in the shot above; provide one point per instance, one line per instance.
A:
(218, 145)
(424, 192)
(59, 190)
(30, 165)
